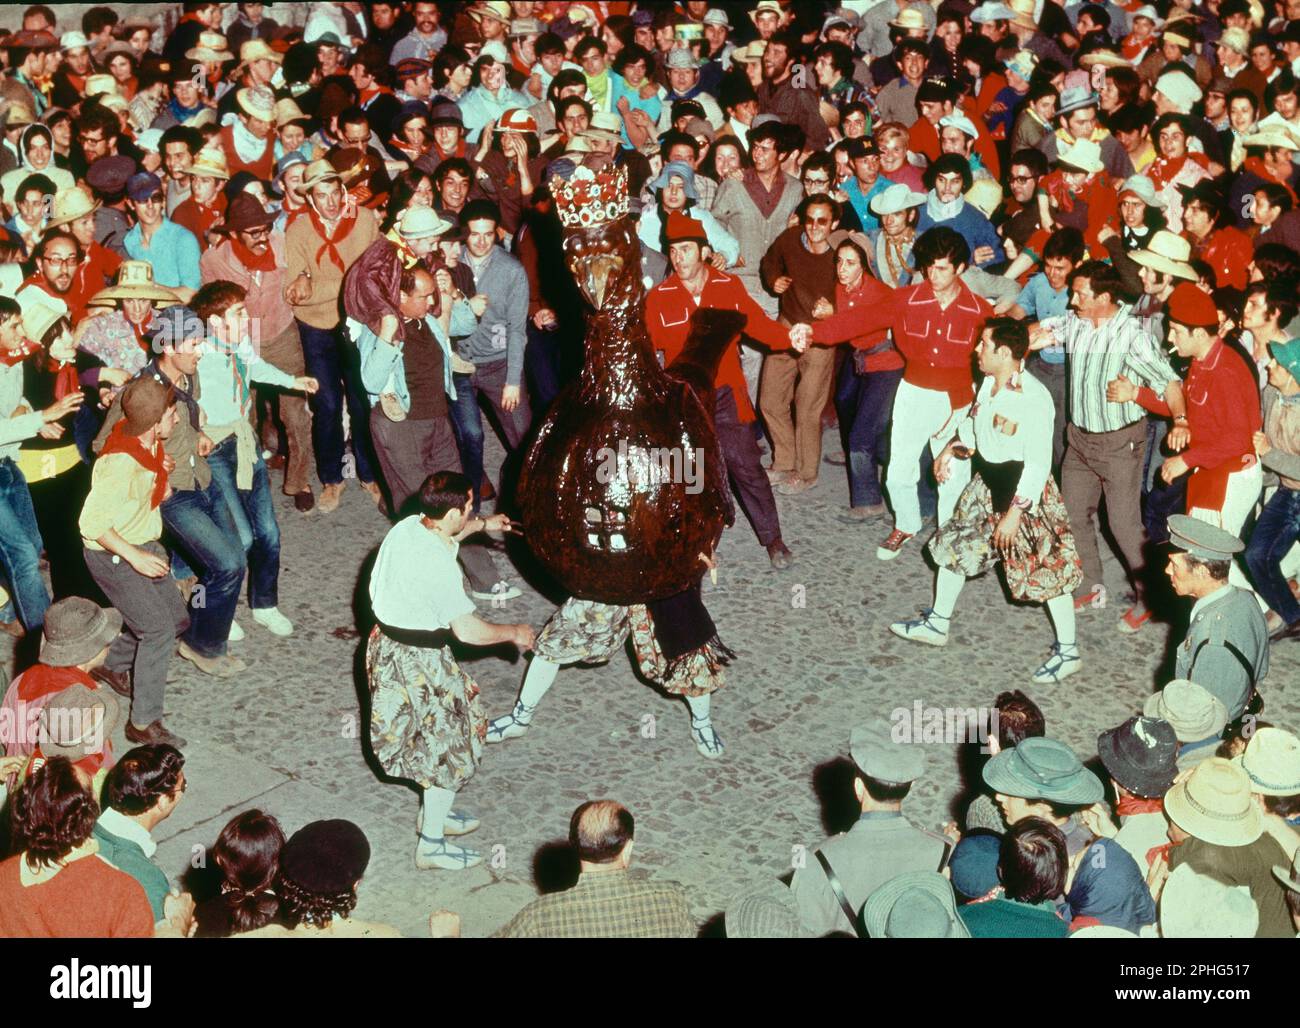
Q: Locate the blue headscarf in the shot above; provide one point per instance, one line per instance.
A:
(1110, 887)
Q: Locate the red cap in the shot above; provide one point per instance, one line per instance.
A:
(516, 120)
(1191, 305)
(682, 227)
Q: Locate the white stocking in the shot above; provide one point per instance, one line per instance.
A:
(434, 808)
(699, 707)
(1061, 610)
(539, 678)
(947, 587)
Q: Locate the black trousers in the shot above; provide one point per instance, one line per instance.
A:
(748, 479)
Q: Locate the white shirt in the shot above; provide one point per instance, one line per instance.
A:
(117, 823)
(416, 585)
(1014, 425)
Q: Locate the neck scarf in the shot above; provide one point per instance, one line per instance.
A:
(41, 680)
(248, 148)
(250, 260)
(1130, 805)
(1257, 166)
(940, 211)
(342, 230)
(121, 441)
(11, 357)
(898, 252)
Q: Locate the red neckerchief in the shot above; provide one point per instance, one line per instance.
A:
(1256, 166)
(442, 155)
(1164, 169)
(41, 680)
(330, 246)
(1157, 852)
(65, 376)
(252, 261)
(1130, 805)
(401, 144)
(146, 344)
(1133, 47)
(11, 357)
(121, 441)
(369, 94)
(77, 82)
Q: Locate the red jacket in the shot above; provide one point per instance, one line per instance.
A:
(935, 342)
(1229, 252)
(846, 323)
(668, 310)
(924, 138)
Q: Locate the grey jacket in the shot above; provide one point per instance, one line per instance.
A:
(501, 333)
(737, 213)
(1226, 648)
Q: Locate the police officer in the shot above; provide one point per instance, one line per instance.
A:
(1226, 648)
(831, 888)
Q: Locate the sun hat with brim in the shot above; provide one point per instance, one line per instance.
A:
(1212, 802)
(1178, 36)
(683, 171)
(421, 223)
(100, 85)
(73, 41)
(1104, 58)
(1145, 11)
(325, 857)
(1141, 187)
(717, 16)
(1168, 253)
(681, 58)
(207, 116)
(1043, 769)
(39, 316)
(75, 630)
(18, 115)
(209, 162)
(135, 282)
(914, 905)
(985, 13)
(114, 102)
(318, 171)
(1272, 762)
(1076, 98)
(287, 112)
(118, 46)
(244, 214)
(750, 53)
(77, 721)
(211, 47)
(1192, 711)
(1273, 137)
(71, 204)
(1141, 755)
(1288, 355)
(497, 11)
(766, 6)
(1022, 13)
(1197, 906)
(605, 126)
(257, 101)
(257, 50)
(908, 19)
(1081, 155)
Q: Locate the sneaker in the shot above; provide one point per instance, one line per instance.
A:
(236, 633)
(707, 740)
(219, 667)
(459, 823)
(510, 726)
(893, 545)
(795, 485)
(1134, 618)
(1094, 599)
(924, 629)
(1060, 665)
(439, 854)
(273, 621)
(329, 497)
(499, 593)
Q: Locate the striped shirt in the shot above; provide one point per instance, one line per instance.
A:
(1098, 355)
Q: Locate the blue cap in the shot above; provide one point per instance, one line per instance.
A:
(142, 185)
(974, 864)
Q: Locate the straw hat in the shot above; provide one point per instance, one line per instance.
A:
(257, 50)
(18, 115)
(1272, 762)
(99, 85)
(259, 101)
(750, 52)
(1106, 58)
(605, 126)
(1212, 802)
(71, 204)
(1169, 253)
(1083, 154)
(766, 7)
(212, 46)
(496, 11)
(210, 162)
(40, 317)
(1272, 136)
(135, 282)
(318, 171)
(1022, 13)
(910, 18)
(421, 222)
(286, 111)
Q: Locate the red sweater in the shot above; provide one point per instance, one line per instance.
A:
(1223, 416)
(846, 323)
(936, 342)
(87, 898)
(668, 310)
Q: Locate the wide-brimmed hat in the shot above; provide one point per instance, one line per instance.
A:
(135, 282)
(1212, 802)
(101, 85)
(211, 46)
(421, 223)
(750, 53)
(287, 112)
(1181, 90)
(682, 58)
(914, 905)
(1043, 769)
(325, 857)
(909, 18)
(1192, 711)
(766, 6)
(1197, 906)
(1272, 762)
(40, 314)
(1141, 755)
(17, 115)
(73, 41)
(497, 11)
(1148, 12)
(1144, 189)
(246, 213)
(75, 630)
(1081, 155)
(1274, 137)
(1022, 13)
(210, 162)
(318, 171)
(258, 50)
(985, 13)
(718, 16)
(1074, 98)
(683, 171)
(606, 126)
(71, 204)
(1168, 253)
(1104, 58)
(259, 101)
(77, 721)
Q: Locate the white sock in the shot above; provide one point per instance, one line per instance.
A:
(1061, 611)
(538, 679)
(947, 587)
(434, 808)
(699, 708)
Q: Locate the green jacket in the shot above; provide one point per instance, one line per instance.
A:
(129, 858)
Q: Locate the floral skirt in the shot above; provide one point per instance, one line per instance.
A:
(587, 632)
(426, 722)
(1044, 562)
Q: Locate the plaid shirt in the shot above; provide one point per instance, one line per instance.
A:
(607, 905)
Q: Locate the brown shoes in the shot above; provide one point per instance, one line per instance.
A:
(304, 501)
(329, 497)
(118, 681)
(153, 735)
(375, 493)
(779, 554)
(220, 667)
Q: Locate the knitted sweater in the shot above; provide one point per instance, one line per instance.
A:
(740, 216)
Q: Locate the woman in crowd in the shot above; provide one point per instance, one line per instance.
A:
(247, 853)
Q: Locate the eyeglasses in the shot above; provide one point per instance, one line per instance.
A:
(1022, 178)
(816, 180)
(257, 233)
(156, 199)
(90, 139)
(68, 262)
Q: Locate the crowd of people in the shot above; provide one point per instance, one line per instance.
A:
(1038, 262)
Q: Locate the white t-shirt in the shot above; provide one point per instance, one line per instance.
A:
(416, 585)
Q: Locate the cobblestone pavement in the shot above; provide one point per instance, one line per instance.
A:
(815, 658)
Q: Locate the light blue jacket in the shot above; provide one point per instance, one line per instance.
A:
(478, 107)
(382, 363)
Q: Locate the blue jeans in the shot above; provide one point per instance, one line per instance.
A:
(864, 404)
(467, 424)
(201, 528)
(254, 518)
(333, 362)
(542, 364)
(20, 548)
(1275, 532)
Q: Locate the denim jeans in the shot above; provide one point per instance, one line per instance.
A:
(333, 362)
(201, 527)
(542, 365)
(488, 381)
(20, 548)
(253, 513)
(1276, 530)
(864, 404)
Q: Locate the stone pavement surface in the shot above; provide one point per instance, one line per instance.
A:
(815, 657)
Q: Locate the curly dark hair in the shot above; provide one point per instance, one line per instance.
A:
(298, 906)
(52, 814)
(248, 853)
